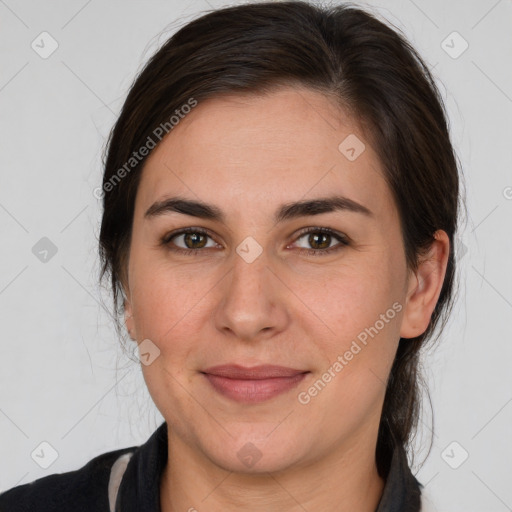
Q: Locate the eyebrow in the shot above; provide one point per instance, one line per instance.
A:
(286, 212)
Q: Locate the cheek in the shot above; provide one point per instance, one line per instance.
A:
(166, 300)
(166, 311)
(361, 305)
(353, 296)
(351, 382)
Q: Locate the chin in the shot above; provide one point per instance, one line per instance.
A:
(252, 454)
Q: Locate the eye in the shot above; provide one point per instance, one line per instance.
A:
(192, 238)
(195, 239)
(320, 240)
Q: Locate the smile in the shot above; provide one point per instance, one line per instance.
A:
(252, 389)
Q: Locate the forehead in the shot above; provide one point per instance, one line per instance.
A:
(286, 145)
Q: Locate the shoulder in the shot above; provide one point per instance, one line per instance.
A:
(81, 490)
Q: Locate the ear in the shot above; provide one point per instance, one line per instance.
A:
(128, 316)
(424, 287)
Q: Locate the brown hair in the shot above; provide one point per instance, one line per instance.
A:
(345, 53)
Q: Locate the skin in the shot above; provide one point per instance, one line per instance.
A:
(248, 155)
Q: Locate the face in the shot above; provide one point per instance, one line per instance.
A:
(321, 291)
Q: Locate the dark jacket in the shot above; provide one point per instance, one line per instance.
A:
(138, 469)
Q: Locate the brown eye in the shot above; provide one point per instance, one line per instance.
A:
(189, 240)
(319, 240)
(322, 240)
(194, 240)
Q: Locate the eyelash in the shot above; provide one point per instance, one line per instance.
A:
(344, 241)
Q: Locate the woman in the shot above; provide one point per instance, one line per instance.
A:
(280, 202)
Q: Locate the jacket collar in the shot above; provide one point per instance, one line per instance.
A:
(402, 491)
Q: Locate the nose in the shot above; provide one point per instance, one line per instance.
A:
(253, 300)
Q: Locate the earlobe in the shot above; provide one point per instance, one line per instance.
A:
(425, 286)
(128, 318)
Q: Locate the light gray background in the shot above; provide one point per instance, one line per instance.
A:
(64, 378)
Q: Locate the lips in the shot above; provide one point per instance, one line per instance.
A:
(255, 384)
(268, 371)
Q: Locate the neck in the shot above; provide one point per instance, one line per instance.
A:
(343, 481)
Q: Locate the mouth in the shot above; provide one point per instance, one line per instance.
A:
(253, 385)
